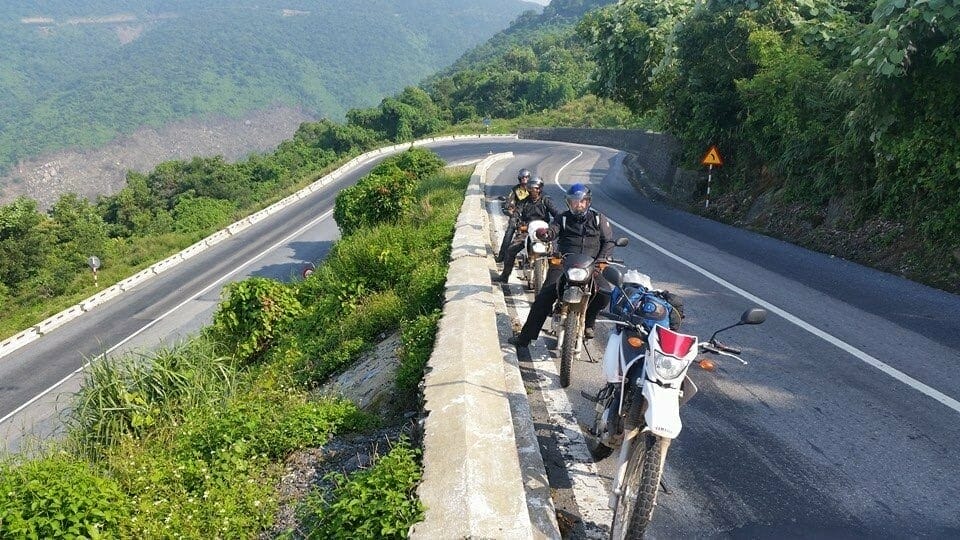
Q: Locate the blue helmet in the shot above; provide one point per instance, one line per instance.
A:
(578, 192)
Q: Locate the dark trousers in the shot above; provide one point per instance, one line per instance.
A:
(543, 305)
(510, 257)
(507, 238)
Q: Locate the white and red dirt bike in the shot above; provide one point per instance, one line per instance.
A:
(645, 364)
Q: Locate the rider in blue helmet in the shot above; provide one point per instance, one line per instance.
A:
(578, 199)
(580, 229)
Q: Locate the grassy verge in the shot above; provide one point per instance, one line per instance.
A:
(190, 442)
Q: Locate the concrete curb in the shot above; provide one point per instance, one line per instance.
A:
(476, 462)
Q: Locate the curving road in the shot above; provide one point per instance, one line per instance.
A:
(844, 423)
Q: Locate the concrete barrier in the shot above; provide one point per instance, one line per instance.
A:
(136, 279)
(16, 341)
(99, 298)
(58, 320)
(473, 483)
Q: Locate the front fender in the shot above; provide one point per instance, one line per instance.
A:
(663, 409)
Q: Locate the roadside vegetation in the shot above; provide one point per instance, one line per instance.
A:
(190, 441)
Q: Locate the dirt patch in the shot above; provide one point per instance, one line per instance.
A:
(102, 171)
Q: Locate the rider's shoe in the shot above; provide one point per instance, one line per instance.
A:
(588, 333)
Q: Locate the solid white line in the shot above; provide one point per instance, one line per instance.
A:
(866, 358)
(168, 313)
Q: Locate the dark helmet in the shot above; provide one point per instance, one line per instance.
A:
(535, 182)
(523, 175)
(578, 192)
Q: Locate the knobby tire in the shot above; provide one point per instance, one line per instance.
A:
(639, 494)
(568, 349)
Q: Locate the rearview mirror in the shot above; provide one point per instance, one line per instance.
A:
(613, 275)
(753, 316)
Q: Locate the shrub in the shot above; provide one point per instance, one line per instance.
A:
(225, 494)
(253, 316)
(59, 497)
(130, 395)
(376, 503)
(269, 424)
(417, 338)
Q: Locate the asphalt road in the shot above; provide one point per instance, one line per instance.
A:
(843, 424)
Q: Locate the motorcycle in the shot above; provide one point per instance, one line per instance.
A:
(534, 258)
(645, 364)
(578, 286)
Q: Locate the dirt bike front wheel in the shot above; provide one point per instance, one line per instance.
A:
(568, 348)
(638, 495)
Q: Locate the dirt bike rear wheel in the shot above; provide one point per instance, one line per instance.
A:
(638, 496)
(568, 349)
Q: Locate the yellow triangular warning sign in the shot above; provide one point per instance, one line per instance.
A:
(712, 157)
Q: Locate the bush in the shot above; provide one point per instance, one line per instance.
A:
(254, 315)
(379, 502)
(59, 497)
(417, 338)
(131, 395)
(267, 424)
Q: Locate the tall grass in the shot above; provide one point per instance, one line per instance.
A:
(129, 395)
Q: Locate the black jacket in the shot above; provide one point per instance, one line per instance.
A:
(543, 209)
(589, 233)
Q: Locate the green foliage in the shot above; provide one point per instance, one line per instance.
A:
(59, 497)
(201, 214)
(132, 395)
(386, 193)
(794, 119)
(379, 502)
(631, 44)
(417, 338)
(226, 494)
(22, 241)
(253, 316)
(267, 424)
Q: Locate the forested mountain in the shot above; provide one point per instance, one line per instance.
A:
(80, 73)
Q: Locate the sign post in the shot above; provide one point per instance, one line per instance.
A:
(711, 158)
(94, 263)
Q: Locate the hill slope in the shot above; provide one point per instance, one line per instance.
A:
(80, 76)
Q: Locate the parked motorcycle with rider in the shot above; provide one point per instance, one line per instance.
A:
(645, 365)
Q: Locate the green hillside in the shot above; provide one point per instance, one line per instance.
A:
(79, 76)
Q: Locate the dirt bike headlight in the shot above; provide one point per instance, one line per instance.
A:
(578, 275)
(539, 248)
(668, 367)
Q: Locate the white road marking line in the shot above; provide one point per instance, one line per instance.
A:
(829, 338)
(171, 311)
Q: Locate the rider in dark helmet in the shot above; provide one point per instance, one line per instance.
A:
(580, 229)
(517, 197)
(536, 207)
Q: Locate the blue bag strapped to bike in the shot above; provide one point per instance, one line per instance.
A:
(636, 303)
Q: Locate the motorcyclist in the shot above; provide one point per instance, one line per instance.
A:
(517, 197)
(580, 229)
(537, 206)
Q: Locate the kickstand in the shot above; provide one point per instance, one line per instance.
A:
(663, 486)
(589, 356)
